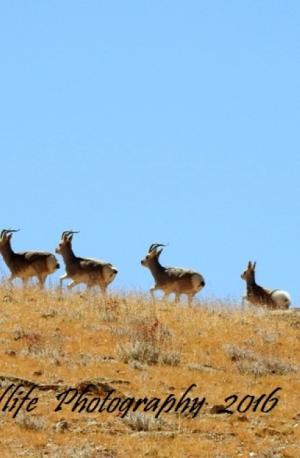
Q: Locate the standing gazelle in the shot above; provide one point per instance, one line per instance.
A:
(26, 264)
(91, 272)
(172, 279)
(257, 295)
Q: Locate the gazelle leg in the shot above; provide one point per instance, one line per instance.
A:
(152, 292)
(190, 299)
(177, 297)
(154, 288)
(61, 279)
(42, 279)
(25, 282)
(10, 280)
(103, 290)
(72, 284)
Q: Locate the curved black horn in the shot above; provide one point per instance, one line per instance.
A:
(154, 246)
(8, 231)
(70, 234)
(66, 233)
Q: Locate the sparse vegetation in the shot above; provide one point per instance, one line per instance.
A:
(149, 341)
(249, 362)
(148, 349)
(141, 422)
(31, 422)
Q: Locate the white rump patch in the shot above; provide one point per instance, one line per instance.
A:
(51, 263)
(282, 299)
(196, 281)
(109, 273)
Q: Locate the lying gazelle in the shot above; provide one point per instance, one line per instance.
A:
(27, 264)
(91, 272)
(172, 279)
(257, 295)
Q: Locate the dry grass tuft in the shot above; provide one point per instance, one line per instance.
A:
(141, 422)
(248, 362)
(30, 422)
(149, 343)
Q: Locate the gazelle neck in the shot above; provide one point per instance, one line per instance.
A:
(68, 254)
(251, 283)
(156, 268)
(7, 252)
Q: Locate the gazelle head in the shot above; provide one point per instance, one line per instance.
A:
(249, 273)
(6, 235)
(153, 253)
(65, 242)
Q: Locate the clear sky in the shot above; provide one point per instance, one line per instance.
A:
(155, 121)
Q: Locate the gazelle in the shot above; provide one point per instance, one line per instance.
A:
(91, 272)
(171, 279)
(27, 264)
(257, 295)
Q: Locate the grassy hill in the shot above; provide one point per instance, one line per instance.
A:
(142, 349)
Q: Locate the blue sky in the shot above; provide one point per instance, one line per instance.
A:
(155, 121)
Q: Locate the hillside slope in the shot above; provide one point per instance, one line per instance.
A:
(142, 349)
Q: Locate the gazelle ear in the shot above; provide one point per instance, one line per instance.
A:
(249, 265)
(254, 265)
(70, 238)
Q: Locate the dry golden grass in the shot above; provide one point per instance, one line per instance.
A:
(145, 349)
